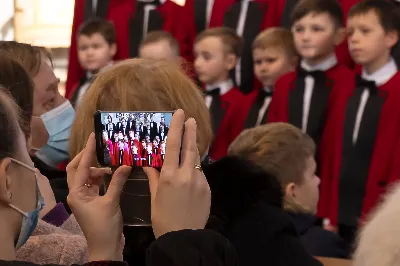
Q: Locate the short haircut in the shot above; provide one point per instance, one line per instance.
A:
(16, 81)
(276, 37)
(160, 35)
(233, 43)
(101, 26)
(279, 149)
(306, 7)
(386, 11)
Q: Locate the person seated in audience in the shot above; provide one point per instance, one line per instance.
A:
(377, 242)
(141, 85)
(160, 45)
(56, 230)
(52, 114)
(274, 54)
(217, 51)
(287, 153)
(22, 201)
(96, 43)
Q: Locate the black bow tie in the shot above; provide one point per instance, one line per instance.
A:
(315, 73)
(213, 93)
(369, 84)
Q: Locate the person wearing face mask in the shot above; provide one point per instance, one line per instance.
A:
(51, 118)
(57, 238)
(100, 216)
(52, 114)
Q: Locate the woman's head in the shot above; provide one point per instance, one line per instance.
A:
(16, 81)
(287, 153)
(18, 185)
(141, 85)
(37, 62)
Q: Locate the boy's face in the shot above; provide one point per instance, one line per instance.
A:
(315, 36)
(211, 63)
(306, 194)
(94, 52)
(161, 50)
(368, 41)
(270, 64)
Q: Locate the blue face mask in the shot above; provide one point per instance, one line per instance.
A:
(29, 219)
(58, 123)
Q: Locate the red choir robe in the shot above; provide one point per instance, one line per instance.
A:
(281, 17)
(223, 111)
(287, 102)
(167, 16)
(355, 176)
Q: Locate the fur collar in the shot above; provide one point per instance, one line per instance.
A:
(236, 185)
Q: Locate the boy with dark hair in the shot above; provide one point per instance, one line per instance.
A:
(160, 45)
(96, 43)
(303, 98)
(360, 158)
(217, 51)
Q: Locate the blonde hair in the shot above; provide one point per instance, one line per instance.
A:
(279, 149)
(277, 38)
(233, 43)
(141, 85)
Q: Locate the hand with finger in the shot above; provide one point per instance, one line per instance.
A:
(99, 216)
(180, 194)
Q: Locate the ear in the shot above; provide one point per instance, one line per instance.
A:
(391, 38)
(340, 35)
(5, 181)
(290, 190)
(230, 61)
(113, 49)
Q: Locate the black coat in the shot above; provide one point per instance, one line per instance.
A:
(246, 207)
(316, 240)
(181, 248)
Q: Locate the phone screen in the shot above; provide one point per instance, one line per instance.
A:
(132, 138)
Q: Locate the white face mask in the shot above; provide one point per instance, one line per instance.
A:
(29, 219)
(58, 123)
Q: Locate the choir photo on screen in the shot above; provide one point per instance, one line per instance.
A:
(135, 139)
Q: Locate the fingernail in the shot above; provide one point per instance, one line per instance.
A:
(108, 170)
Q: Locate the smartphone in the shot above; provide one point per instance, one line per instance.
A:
(136, 139)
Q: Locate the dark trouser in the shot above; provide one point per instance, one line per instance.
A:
(348, 233)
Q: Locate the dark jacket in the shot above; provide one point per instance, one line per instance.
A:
(181, 248)
(246, 207)
(316, 240)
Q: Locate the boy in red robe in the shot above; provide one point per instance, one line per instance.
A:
(217, 51)
(274, 55)
(361, 144)
(96, 44)
(305, 96)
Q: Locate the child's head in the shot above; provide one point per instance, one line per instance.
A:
(373, 29)
(287, 153)
(317, 27)
(274, 54)
(216, 53)
(160, 45)
(96, 44)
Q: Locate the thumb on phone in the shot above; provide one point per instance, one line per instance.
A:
(117, 183)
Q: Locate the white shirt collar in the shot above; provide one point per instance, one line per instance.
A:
(383, 74)
(324, 66)
(224, 86)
